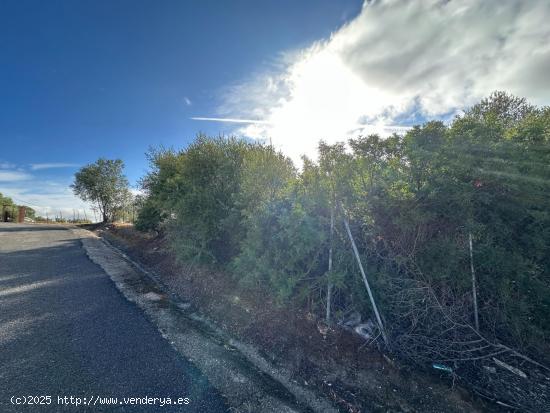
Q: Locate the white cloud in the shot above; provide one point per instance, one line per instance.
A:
(231, 120)
(396, 59)
(40, 166)
(13, 176)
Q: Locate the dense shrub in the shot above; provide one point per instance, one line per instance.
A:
(412, 203)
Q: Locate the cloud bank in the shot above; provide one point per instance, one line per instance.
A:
(13, 176)
(397, 63)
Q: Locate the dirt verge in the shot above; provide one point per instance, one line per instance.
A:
(246, 387)
(335, 363)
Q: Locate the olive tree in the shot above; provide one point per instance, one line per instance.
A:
(103, 184)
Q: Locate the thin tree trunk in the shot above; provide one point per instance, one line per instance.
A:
(104, 214)
(329, 287)
(374, 307)
(474, 286)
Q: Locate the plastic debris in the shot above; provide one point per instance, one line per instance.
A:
(442, 367)
(366, 330)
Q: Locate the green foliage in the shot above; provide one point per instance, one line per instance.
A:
(265, 174)
(9, 210)
(206, 224)
(104, 184)
(283, 247)
(30, 213)
(411, 201)
(149, 216)
(205, 193)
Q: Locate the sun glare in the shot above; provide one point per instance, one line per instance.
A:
(326, 101)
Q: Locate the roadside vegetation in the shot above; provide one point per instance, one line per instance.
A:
(451, 223)
(433, 245)
(9, 210)
(105, 186)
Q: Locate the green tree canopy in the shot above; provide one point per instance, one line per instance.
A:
(104, 184)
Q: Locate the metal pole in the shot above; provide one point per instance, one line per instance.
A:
(474, 286)
(375, 308)
(329, 287)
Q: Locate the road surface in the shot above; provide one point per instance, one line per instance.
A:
(65, 330)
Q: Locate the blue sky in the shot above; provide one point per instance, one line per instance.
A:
(84, 79)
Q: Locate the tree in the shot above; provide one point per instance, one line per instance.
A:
(160, 187)
(104, 184)
(30, 213)
(9, 210)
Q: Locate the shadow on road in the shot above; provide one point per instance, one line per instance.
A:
(7, 227)
(66, 330)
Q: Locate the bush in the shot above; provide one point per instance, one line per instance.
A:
(412, 202)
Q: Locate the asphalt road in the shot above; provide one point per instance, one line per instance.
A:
(65, 330)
